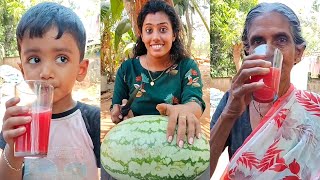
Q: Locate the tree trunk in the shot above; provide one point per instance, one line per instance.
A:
(106, 55)
(133, 9)
(189, 28)
(237, 55)
(196, 7)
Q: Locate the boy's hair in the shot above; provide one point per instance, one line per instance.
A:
(41, 18)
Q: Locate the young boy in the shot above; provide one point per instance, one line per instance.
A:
(51, 42)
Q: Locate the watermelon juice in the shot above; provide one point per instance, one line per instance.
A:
(269, 92)
(34, 142)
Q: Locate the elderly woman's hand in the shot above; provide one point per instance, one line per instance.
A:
(116, 115)
(242, 88)
(182, 115)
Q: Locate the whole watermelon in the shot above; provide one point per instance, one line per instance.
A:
(137, 148)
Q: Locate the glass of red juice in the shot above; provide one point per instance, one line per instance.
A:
(38, 96)
(269, 93)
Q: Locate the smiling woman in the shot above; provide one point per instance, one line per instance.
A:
(157, 36)
(161, 62)
(169, 82)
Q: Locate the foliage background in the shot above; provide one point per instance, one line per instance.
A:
(12, 10)
(226, 25)
(118, 36)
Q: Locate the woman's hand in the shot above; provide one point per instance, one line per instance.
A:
(14, 117)
(184, 116)
(116, 115)
(242, 88)
(239, 97)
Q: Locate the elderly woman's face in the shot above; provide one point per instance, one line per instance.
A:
(274, 30)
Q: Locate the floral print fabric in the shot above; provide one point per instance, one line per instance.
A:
(179, 84)
(286, 143)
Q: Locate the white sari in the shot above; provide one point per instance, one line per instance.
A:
(285, 145)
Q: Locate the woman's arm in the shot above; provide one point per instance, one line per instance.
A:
(239, 98)
(186, 112)
(218, 138)
(120, 94)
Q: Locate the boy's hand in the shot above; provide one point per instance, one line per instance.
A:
(116, 115)
(180, 115)
(12, 119)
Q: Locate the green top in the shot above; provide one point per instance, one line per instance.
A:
(179, 84)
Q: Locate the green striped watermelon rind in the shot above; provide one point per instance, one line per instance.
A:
(176, 164)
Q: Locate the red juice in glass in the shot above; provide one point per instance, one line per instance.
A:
(38, 96)
(269, 92)
(34, 142)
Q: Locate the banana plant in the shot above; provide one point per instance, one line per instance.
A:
(116, 34)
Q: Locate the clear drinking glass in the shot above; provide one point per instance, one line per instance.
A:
(38, 96)
(269, 93)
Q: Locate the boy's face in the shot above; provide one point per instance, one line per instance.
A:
(56, 61)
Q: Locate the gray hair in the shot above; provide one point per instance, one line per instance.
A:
(273, 7)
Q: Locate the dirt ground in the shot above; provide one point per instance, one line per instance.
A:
(106, 123)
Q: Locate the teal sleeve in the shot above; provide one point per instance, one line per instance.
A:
(192, 85)
(121, 89)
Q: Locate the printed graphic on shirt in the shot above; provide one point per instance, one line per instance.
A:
(192, 80)
(45, 168)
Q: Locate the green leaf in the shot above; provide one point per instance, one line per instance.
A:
(179, 9)
(117, 7)
(177, 1)
(123, 27)
(105, 10)
(129, 46)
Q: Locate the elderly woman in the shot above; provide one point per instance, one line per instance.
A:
(277, 140)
